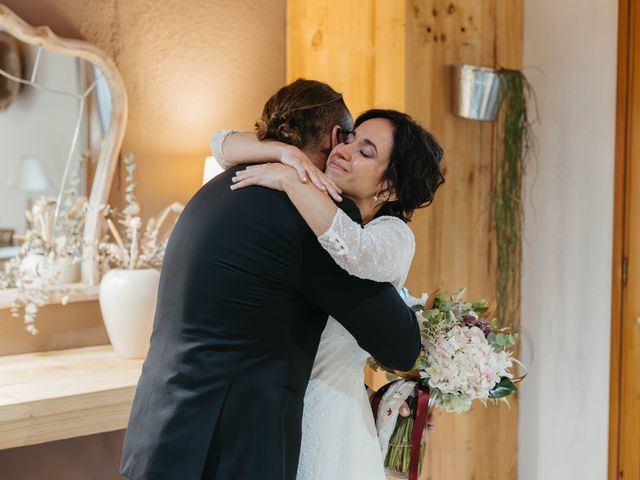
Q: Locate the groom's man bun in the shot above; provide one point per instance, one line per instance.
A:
(302, 113)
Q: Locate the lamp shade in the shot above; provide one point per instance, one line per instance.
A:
(211, 169)
(31, 176)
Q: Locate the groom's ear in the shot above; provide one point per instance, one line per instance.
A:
(334, 136)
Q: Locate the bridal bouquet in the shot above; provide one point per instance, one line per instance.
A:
(464, 357)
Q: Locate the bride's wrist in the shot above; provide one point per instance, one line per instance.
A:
(288, 179)
(284, 151)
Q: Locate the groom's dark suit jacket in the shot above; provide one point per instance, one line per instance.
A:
(244, 295)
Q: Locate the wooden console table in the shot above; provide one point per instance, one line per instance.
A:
(48, 396)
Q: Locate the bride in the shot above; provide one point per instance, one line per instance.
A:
(388, 166)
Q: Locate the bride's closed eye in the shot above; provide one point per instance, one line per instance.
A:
(367, 153)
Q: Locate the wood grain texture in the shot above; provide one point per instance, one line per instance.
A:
(324, 43)
(618, 235)
(624, 440)
(389, 54)
(455, 235)
(411, 49)
(68, 393)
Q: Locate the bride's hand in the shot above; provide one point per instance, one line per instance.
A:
(296, 158)
(405, 411)
(270, 175)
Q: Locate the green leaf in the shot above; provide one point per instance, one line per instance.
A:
(503, 388)
(391, 377)
(421, 363)
(509, 340)
(480, 306)
(374, 366)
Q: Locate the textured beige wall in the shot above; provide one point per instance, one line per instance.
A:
(190, 67)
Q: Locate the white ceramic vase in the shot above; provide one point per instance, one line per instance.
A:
(37, 266)
(128, 304)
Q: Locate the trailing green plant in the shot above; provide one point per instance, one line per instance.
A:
(516, 143)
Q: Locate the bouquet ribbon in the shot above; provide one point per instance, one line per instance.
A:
(377, 398)
(422, 412)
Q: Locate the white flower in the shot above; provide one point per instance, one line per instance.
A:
(135, 222)
(412, 301)
(132, 209)
(31, 309)
(45, 246)
(61, 243)
(462, 363)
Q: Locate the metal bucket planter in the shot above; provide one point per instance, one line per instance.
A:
(477, 92)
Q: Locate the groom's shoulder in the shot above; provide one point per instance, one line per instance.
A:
(252, 204)
(218, 191)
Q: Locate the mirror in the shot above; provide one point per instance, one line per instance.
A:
(63, 110)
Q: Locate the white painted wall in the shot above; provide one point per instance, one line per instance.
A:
(568, 240)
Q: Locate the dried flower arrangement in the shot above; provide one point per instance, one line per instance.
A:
(51, 244)
(53, 241)
(134, 248)
(48, 246)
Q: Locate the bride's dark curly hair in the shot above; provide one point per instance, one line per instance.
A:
(302, 113)
(414, 166)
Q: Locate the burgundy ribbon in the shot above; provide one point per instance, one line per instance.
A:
(422, 412)
(377, 398)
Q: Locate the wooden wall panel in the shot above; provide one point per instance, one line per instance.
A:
(408, 51)
(325, 43)
(357, 47)
(624, 438)
(624, 421)
(389, 54)
(455, 236)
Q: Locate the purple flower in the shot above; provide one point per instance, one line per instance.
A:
(476, 321)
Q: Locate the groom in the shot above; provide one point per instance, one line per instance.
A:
(244, 295)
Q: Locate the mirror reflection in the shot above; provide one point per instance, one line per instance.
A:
(54, 112)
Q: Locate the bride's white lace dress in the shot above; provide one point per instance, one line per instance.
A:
(339, 439)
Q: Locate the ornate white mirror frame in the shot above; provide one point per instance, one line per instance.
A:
(108, 156)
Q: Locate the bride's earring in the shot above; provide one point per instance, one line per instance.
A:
(375, 198)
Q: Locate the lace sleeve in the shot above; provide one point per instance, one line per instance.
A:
(217, 142)
(381, 251)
